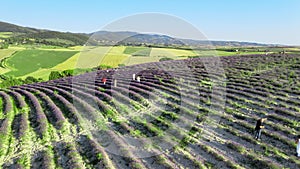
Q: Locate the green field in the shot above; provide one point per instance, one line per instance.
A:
(39, 60)
(130, 49)
(5, 53)
(70, 63)
(144, 52)
(27, 61)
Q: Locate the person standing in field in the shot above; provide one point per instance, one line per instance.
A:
(259, 126)
(115, 82)
(138, 79)
(133, 76)
(103, 80)
(298, 146)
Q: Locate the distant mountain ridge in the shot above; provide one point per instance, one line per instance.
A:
(32, 35)
(7, 27)
(134, 38)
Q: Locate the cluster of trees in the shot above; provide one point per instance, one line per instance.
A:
(8, 81)
(56, 74)
(165, 59)
(18, 40)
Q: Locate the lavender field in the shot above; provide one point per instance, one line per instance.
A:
(62, 123)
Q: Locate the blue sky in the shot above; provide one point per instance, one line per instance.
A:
(267, 21)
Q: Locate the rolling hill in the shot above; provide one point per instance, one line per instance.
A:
(25, 35)
(7, 27)
(28, 35)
